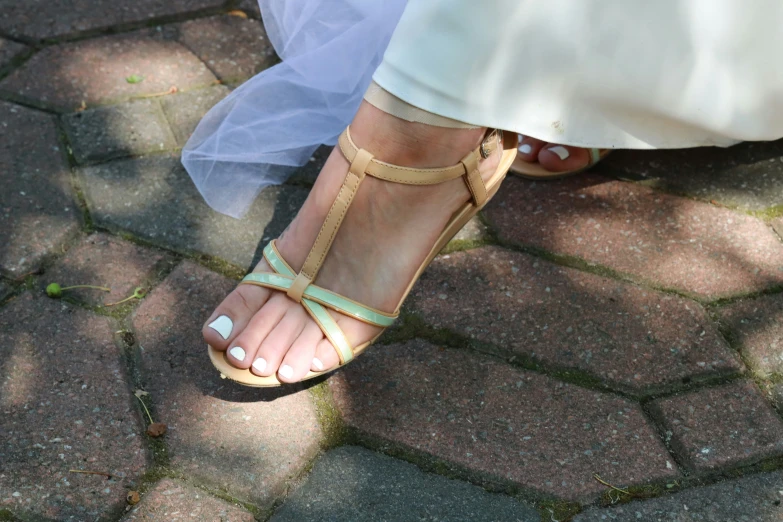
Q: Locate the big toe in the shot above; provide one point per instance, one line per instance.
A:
(557, 158)
(232, 315)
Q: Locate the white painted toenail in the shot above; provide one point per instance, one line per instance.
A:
(561, 151)
(318, 364)
(259, 364)
(286, 371)
(237, 353)
(525, 148)
(222, 325)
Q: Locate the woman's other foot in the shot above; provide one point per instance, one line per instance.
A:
(551, 156)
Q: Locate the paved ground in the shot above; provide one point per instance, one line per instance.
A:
(608, 347)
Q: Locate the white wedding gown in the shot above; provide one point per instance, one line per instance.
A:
(592, 73)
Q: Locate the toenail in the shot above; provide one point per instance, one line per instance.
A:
(259, 364)
(525, 148)
(286, 371)
(318, 364)
(237, 353)
(561, 151)
(222, 325)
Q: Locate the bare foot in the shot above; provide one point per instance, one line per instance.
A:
(386, 235)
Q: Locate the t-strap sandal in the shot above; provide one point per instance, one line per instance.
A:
(534, 170)
(301, 287)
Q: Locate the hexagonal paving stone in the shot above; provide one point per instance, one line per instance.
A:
(631, 338)
(39, 19)
(185, 110)
(234, 48)
(250, 441)
(352, 484)
(94, 71)
(722, 426)
(65, 405)
(757, 327)
(103, 260)
(8, 51)
(154, 198)
(128, 129)
(37, 210)
(755, 498)
(669, 241)
(498, 421)
(175, 501)
(748, 175)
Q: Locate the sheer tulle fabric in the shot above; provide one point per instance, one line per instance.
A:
(273, 123)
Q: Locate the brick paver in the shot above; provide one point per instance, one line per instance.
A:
(175, 501)
(186, 109)
(632, 338)
(8, 51)
(673, 242)
(39, 19)
(748, 175)
(104, 260)
(755, 498)
(249, 441)
(37, 210)
(95, 71)
(721, 426)
(353, 484)
(501, 422)
(154, 198)
(65, 405)
(131, 128)
(234, 48)
(756, 325)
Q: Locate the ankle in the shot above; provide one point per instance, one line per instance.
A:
(411, 144)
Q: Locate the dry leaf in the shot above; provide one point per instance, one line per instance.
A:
(156, 429)
(133, 497)
(140, 393)
(237, 12)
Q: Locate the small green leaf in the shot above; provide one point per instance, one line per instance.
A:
(134, 78)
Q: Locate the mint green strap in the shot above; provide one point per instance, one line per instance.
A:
(595, 156)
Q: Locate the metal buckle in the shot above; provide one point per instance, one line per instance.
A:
(490, 143)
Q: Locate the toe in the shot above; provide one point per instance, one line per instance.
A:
(275, 345)
(245, 346)
(233, 314)
(529, 148)
(298, 360)
(556, 158)
(325, 357)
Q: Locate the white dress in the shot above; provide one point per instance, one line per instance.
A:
(593, 73)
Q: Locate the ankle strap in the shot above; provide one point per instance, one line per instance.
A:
(409, 175)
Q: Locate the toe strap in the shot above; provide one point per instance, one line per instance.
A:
(316, 300)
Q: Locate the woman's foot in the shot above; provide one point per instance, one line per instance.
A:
(551, 156)
(385, 236)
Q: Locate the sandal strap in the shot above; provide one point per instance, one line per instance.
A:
(284, 278)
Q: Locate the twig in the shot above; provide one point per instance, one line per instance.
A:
(599, 479)
(145, 409)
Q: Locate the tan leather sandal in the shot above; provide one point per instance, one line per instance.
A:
(534, 170)
(315, 299)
